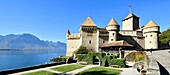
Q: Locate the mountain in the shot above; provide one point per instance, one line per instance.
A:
(28, 41)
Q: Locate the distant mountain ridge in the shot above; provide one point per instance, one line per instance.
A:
(28, 42)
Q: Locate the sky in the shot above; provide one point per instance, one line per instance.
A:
(50, 19)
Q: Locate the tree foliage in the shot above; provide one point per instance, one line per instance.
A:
(165, 37)
(82, 50)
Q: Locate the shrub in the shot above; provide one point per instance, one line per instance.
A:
(119, 62)
(60, 59)
(107, 59)
(81, 57)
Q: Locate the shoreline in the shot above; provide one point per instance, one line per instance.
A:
(10, 71)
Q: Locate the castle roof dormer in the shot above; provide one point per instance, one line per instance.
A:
(129, 16)
(112, 23)
(150, 24)
(88, 22)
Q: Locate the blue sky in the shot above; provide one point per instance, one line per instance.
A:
(50, 19)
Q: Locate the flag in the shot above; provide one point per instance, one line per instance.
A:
(129, 5)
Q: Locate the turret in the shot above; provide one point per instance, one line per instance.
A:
(131, 22)
(151, 32)
(68, 33)
(113, 29)
(88, 32)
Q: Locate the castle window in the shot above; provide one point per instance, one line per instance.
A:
(146, 35)
(113, 34)
(151, 35)
(111, 39)
(103, 41)
(91, 49)
(150, 42)
(90, 42)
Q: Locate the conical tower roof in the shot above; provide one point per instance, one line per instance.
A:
(88, 22)
(129, 16)
(112, 23)
(150, 24)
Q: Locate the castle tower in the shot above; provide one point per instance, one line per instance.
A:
(131, 22)
(150, 32)
(113, 29)
(88, 32)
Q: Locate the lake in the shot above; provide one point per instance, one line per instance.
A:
(10, 59)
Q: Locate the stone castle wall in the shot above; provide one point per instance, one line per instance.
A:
(89, 39)
(72, 45)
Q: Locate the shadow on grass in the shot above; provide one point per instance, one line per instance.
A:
(96, 73)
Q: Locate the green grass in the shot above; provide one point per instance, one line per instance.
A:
(40, 73)
(100, 71)
(67, 68)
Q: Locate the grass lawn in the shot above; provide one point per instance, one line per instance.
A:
(100, 71)
(40, 73)
(68, 68)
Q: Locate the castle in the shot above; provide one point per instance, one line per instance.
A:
(113, 40)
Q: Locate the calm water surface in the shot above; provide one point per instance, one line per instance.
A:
(10, 59)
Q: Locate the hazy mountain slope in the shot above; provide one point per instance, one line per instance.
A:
(27, 41)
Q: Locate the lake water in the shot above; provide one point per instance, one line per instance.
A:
(10, 59)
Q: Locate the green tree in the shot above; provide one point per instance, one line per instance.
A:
(165, 37)
(82, 50)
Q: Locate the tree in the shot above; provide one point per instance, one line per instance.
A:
(165, 37)
(82, 50)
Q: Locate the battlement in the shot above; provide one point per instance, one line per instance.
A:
(74, 36)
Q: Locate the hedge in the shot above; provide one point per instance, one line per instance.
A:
(107, 60)
(89, 57)
(119, 62)
(81, 57)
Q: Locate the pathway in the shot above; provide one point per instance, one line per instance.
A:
(128, 71)
(40, 69)
(53, 71)
(162, 56)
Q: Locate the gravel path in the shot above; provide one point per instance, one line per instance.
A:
(128, 71)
